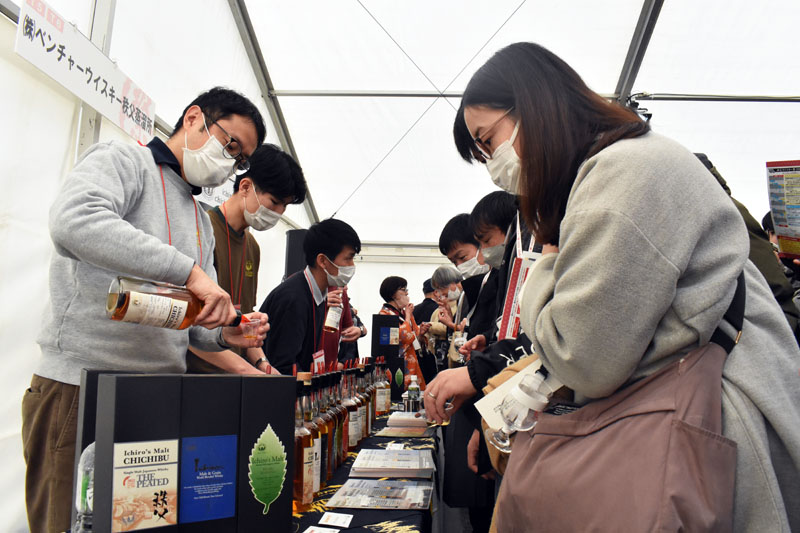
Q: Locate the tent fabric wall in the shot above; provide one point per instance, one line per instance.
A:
(37, 144)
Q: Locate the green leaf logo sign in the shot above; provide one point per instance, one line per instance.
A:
(267, 468)
(398, 377)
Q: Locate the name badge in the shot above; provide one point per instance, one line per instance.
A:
(319, 362)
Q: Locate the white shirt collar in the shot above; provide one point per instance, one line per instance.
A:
(315, 290)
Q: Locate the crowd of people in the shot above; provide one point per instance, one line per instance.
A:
(611, 255)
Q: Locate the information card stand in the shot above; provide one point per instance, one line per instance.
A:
(199, 453)
(386, 343)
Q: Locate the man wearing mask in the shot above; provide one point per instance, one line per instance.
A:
(126, 209)
(259, 198)
(297, 306)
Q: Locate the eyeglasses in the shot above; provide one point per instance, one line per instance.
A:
(481, 145)
(233, 150)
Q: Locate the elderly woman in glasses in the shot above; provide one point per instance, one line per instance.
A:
(394, 291)
(447, 322)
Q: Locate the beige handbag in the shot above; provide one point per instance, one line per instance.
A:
(650, 457)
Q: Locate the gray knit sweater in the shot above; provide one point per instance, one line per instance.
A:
(649, 252)
(109, 219)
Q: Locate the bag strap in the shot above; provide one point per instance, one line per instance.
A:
(735, 317)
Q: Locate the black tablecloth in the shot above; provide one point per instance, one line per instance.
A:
(370, 520)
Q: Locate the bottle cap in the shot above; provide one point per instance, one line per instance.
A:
(304, 376)
(237, 320)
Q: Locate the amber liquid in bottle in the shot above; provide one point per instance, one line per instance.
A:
(152, 303)
(311, 426)
(323, 422)
(354, 427)
(329, 416)
(302, 493)
(344, 420)
(365, 421)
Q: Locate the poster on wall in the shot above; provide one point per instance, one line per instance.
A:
(783, 179)
(62, 52)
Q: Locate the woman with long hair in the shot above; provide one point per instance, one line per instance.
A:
(641, 254)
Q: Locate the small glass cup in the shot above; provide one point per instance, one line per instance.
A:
(250, 328)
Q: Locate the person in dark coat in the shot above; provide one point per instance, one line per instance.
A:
(424, 310)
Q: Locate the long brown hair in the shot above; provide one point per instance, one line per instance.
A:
(562, 122)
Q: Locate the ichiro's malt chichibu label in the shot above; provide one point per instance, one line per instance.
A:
(145, 492)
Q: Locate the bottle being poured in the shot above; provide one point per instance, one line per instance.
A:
(153, 303)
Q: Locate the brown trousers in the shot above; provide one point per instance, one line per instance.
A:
(49, 425)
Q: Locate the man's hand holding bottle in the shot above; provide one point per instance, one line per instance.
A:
(217, 307)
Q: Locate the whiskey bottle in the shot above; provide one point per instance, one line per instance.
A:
(153, 303)
(334, 316)
(309, 424)
(303, 493)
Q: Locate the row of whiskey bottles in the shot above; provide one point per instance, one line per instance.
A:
(333, 413)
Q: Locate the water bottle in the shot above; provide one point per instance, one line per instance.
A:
(413, 394)
(84, 493)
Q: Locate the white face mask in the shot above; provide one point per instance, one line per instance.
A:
(206, 166)
(494, 255)
(454, 295)
(344, 276)
(263, 219)
(504, 166)
(472, 268)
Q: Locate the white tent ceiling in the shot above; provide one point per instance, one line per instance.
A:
(358, 84)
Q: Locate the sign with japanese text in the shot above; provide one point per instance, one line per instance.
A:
(62, 52)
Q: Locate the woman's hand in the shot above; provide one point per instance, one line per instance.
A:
(446, 317)
(451, 385)
(423, 328)
(478, 342)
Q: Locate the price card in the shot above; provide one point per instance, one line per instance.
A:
(317, 529)
(336, 519)
(395, 446)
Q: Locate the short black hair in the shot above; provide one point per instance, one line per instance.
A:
(329, 237)
(275, 172)
(496, 209)
(219, 103)
(391, 285)
(456, 232)
(767, 224)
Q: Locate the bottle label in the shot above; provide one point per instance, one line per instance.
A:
(155, 310)
(362, 419)
(315, 473)
(354, 429)
(384, 399)
(333, 317)
(413, 393)
(308, 470)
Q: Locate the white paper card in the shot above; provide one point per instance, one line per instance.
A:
(317, 529)
(395, 446)
(489, 405)
(336, 519)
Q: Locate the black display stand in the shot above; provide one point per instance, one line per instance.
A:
(183, 448)
(386, 343)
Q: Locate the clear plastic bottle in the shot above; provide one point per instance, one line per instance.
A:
(84, 493)
(414, 394)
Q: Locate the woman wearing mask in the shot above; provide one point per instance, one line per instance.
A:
(394, 291)
(643, 256)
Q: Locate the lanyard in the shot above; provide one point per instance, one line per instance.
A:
(472, 311)
(166, 211)
(519, 239)
(230, 262)
(313, 309)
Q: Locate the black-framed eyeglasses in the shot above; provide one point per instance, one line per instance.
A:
(480, 144)
(233, 150)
